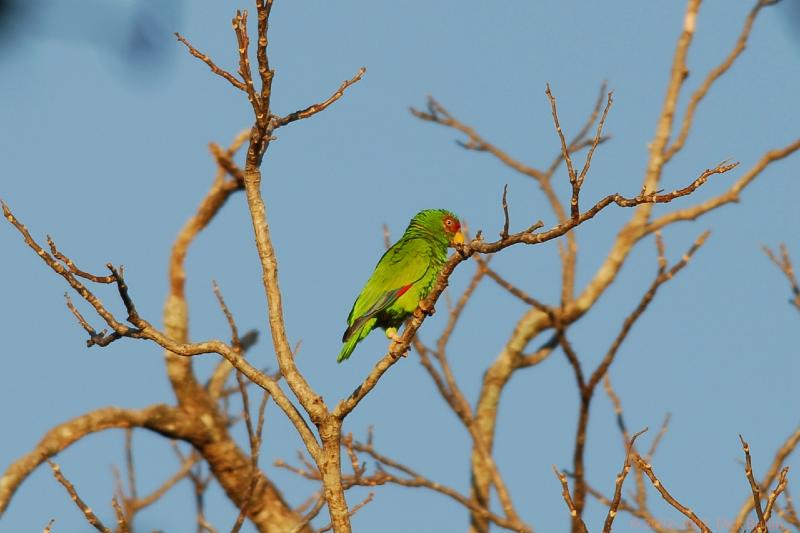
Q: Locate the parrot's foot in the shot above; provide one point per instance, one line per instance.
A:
(426, 309)
(391, 334)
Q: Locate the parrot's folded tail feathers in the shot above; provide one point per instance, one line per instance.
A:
(350, 332)
(357, 331)
(348, 347)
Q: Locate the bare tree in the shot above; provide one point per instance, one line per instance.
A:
(202, 417)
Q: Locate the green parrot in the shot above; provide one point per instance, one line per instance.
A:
(403, 277)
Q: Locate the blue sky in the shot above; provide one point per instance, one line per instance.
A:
(106, 151)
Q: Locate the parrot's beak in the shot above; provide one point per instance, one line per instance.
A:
(458, 238)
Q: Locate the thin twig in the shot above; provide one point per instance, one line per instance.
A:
(353, 511)
(122, 523)
(157, 494)
(729, 196)
(253, 432)
(415, 479)
(789, 514)
(240, 29)
(85, 509)
(576, 519)
(614, 507)
(596, 141)
(129, 467)
(754, 487)
(656, 441)
(504, 233)
(784, 263)
(437, 113)
(773, 496)
(316, 108)
(214, 68)
(264, 7)
(312, 513)
(510, 287)
(73, 268)
(573, 176)
(659, 486)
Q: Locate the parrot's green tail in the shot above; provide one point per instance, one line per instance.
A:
(348, 347)
(357, 332)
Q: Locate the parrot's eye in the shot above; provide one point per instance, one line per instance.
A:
(448, 222)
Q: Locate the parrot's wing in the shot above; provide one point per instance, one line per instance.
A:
(401, 266)
(386, 299)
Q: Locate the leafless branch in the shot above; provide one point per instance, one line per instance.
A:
(85, 509)
(784, 263)
(534, 321)
(729, 196)
(586, 387)
(438, 114)
(659, 486)
(353, 511)
(207, 60)
(773, 472)
(711, 78)
(575, 179)
(773, 496)
(789, 514)
(613, 509)
(576, 519)
(159, 492)
(122, 523)
(508, 286)
(316, 108)
(412, 478)
(253, 432)
(748, 471)
(162, 419)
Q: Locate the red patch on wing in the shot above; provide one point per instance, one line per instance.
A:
(404, 289)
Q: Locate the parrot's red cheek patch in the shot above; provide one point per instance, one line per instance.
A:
(451, 225)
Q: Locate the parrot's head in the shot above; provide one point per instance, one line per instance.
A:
(452, 228)
(441, 223)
